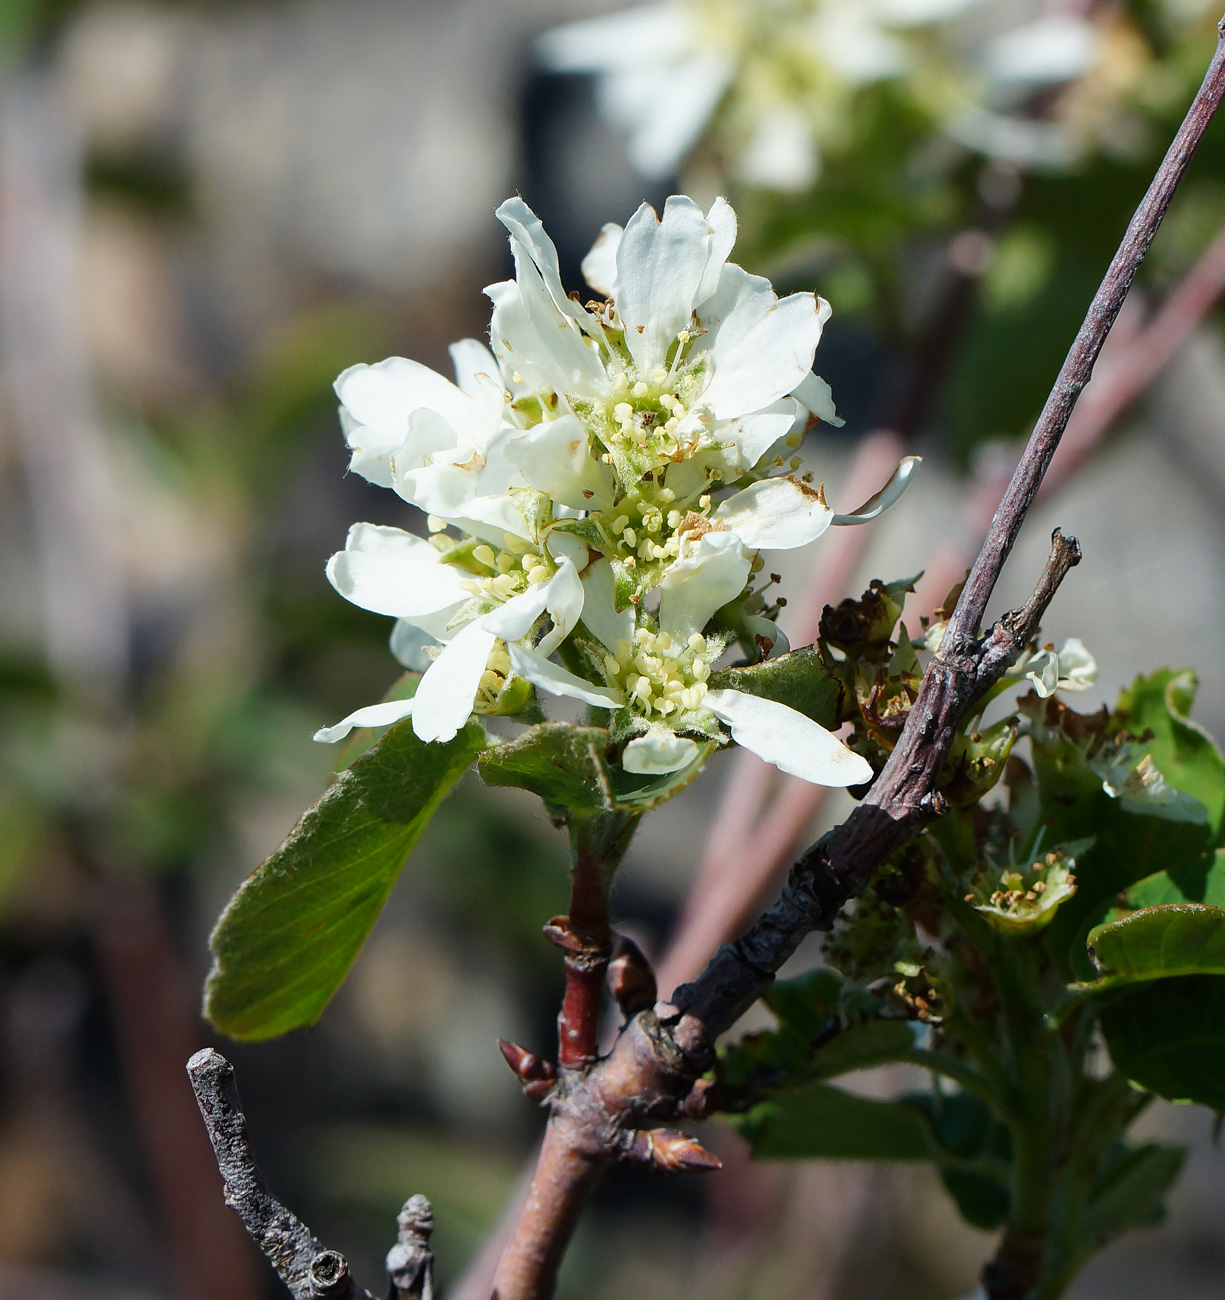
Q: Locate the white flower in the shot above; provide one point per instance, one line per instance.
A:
(786, 70)
(616, 463)
(1072, 669)
(1141, 789)
(392, 572)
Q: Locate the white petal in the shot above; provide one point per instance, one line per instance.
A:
(1053, 49)
(471, 358)
(599, 267)
(383, 396)
(389, 571)
(595, 44)
(555, 458)
(762, 347)
(753, 435)
(564, 601)
(599, 607)
(665, 109)
(518, 616)
(722, 222)
(373, 715)
(786, 738)
(408, 643)
(1042, 669)
(815, 395)
(888, 496)
(658, 752)
(776, 514)
(554, 679)
(782, 155)
(445, 694)
(1077, 667)
(702, 581)
(660, 267)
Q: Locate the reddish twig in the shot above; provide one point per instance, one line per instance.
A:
(650, 1074)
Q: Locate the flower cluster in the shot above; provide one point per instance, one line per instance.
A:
(598, 487)
(771, 84)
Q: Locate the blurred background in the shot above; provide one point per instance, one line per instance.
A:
(207, 211)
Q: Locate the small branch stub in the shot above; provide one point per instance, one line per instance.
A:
(307, 1267)
(410, 1262)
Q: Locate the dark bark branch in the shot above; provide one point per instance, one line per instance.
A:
(649, 1076)
(1078, 366)
(308, 1268)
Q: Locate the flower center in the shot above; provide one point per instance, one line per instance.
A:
(659, 676)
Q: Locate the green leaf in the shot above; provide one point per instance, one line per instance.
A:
(862, 1047)
(799, 680)
(1202, 881)
(563, 763)
(1168, 1035)
(289, 935)
(1159, 943)
(817, 1121)
(1128, 1192)
(1184, 752)
(807, 1003)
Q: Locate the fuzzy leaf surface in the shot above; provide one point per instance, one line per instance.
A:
(289, 935)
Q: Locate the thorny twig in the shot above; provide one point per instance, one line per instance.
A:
(308, 1268)
(652, 1073)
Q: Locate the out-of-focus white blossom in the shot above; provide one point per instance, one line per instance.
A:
(770, 85)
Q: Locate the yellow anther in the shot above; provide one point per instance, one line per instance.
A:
(621, 523)
(506, 562)
(434, 524)
(538, 574)
(504, 584)
(697, 642)
(630, 537)
(484, 555)
(795, 463)
(612, 666)
(640, 389)
(666, 494)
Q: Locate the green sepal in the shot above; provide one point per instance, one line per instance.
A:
(567, 766)
(799, 680)
(288, 937)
